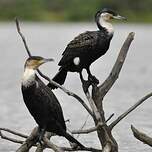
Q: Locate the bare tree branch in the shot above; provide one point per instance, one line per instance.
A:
(51, 145)
(86, 131)
(79, 149)
(14, 132)
(110, 117)
(10, 139)
(108, 83)
(30, 141)
(141, 136)
(107, 148)
(122, 116)
(47, 78)
(93, 106)
(22, 36)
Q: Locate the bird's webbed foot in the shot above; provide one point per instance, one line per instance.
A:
(93, 80)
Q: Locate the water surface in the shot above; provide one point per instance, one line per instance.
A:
(49, 40)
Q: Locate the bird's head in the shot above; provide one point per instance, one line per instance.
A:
(108, 14)
(34, 62)
(105, 16)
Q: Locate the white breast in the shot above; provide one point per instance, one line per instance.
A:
(28, 77)
(108, 26)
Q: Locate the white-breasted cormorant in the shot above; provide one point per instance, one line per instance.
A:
(87, 47)
(41, 101)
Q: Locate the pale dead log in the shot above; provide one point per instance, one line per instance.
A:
(141, 136)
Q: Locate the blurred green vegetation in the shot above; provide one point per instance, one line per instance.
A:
(73, 10)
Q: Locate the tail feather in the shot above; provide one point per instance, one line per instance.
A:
(73, 140)
(59, 78)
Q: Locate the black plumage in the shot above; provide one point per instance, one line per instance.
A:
(86, 47)
(42, 103)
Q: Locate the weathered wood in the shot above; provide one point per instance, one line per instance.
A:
(141, 136)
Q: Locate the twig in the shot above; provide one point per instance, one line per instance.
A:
(86, 131)
(10, 139)
(83, 125)
(110, 117)
(108, 83)
(93, 106)
(47, 78)
(14, 132)
(141, 136)
(22, 36)
(89, 130)
(122, 116)
(84, 149)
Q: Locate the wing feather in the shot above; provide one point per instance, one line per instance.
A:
(84, 42)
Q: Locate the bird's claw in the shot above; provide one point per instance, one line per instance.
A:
(93, 80)
(86, 85)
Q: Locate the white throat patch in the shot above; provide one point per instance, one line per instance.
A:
(28, 76)
(108, 26)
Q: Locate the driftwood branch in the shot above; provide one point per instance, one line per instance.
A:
(114, 74)
(22, 36)
(141, 136)
(13, 132)
(32, 139)
(122, 116)
(85, 131)
(47, 78)
(10, 139)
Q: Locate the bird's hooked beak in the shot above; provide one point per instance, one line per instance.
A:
(42, 61)
(118, 17)
(47, 60)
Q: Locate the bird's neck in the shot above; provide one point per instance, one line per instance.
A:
(28, 77)
(103, 24)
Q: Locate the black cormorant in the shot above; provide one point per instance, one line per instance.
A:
(87, 47)
(41, 101)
